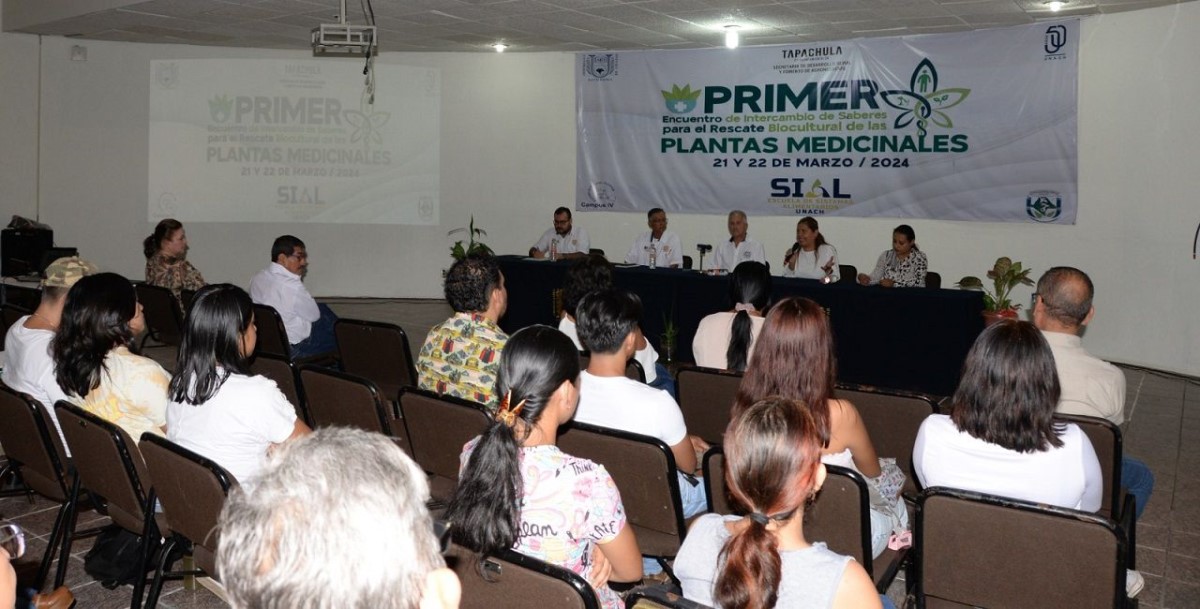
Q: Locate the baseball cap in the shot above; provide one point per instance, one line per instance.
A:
(64, 272)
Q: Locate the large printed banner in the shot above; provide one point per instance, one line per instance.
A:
(273, 140)
(967, 126)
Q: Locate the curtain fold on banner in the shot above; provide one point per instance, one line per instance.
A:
(966, 126)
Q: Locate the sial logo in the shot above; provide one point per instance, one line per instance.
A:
(681, 101)
(1056, 38)
(924, 101)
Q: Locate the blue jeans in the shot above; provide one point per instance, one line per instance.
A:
(1137, 478)
(694, 502)
(664, 381)
(320, 339)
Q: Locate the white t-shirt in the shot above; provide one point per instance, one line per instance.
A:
(668, 253)
(236, 426)
(811, 265)
(728, 255)
(30, 367)
(1068, 476)
(617, 402)
(646, 356)
(574, 242)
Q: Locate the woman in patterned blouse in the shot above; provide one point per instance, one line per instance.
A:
(166, 259)
(517, 490)
(903, 266)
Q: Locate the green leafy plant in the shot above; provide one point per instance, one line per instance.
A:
(1005, 276)
(670, 333)
(473, 246)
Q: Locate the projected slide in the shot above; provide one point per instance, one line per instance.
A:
(272, 140)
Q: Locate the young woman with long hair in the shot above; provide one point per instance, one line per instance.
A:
(772, 470)
(794, 359)
(92, 361)
(518, 490)
(217, 408)
(725, 340)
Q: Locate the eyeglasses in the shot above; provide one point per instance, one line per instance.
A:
(300, 257)
(12, 539)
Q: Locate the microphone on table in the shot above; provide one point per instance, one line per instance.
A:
(703, 248)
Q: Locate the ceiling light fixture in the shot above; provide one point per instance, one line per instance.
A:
(1055, 5)
(499, 46)
(732, 38)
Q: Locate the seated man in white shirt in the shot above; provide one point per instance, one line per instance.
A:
(739, 247)
(281, 285)
(1090, 386)
(607, 322)
(29, 367)
(664, 243)
(569, 241)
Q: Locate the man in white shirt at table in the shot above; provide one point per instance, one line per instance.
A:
(664, 243)
(569, 241)
(739, 247)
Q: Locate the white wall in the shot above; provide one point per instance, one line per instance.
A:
(508, 157)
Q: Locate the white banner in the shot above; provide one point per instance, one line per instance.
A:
(272, 140)
(966, 126)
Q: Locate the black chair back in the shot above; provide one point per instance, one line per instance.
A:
(892, 419)
(283, 372)
(512, 580)
(272, 335)
(438, 427)
(164, 321)
(706, 396)
(377, 351)
(337, 398)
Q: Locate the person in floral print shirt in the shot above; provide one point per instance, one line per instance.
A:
(518, 490)
(461, 355)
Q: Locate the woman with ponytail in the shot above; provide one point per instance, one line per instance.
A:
(166, 259)
(517, 490)
(725, 340)
(772, 470)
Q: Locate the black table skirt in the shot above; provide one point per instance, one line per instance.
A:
(914, 339)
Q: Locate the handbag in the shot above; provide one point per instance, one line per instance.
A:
(884, 489)
(114, 558)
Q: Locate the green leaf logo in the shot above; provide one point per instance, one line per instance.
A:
(924, 101)
(220, 108)
(681, 101)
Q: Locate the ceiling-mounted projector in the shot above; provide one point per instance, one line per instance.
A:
(344, 38)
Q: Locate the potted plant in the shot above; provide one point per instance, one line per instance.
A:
(1005, 276)
(670, 333)
(473, 246)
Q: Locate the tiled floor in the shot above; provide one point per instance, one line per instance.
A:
(1163, 430)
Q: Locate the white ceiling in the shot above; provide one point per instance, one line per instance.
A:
(530, 25)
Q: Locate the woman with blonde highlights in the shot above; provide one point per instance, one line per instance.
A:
(794, 358)
(772, 469)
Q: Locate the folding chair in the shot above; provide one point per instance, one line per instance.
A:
(337, 398)
(659, 596)
(511, 580)
(848, 273)
(438, 427)
(933, 280)
(377, 351)
(32, 447)
(977, 550)
(706, 396)
(192, 490)
(273, 338)
(283, 372)
(1116, 503)
(164, 321)
(892, 418)
(108, 464)
(644, 470)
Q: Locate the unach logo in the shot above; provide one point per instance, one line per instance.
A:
(924, 101)
(1056, 38)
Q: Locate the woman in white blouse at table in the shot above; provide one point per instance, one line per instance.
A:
(811, 257)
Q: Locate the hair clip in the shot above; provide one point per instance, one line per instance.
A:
(508, 415)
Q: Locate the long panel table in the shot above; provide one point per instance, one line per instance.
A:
(914, 339)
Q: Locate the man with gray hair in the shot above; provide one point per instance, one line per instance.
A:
(739, 247)
(1091, 387)
(337, 519)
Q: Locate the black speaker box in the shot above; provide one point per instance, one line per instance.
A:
(22, 249)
